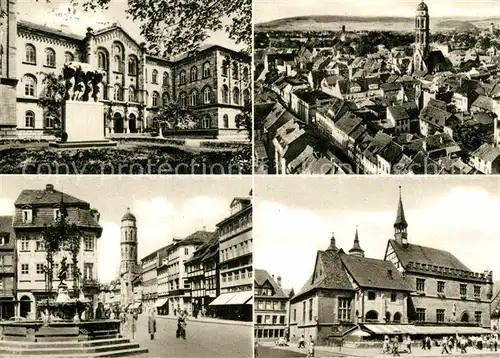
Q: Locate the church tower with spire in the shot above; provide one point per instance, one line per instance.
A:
(129, 267)
(400, 225)
(422, 35)
(356, 248)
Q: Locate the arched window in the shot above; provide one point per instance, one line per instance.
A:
(165, 98)
(245, 73)
(118, 93)
(225, 67)
(246, 97)
(182, 77)
(30, 54)
(182, 99)
(29, 119)
(118, 64)
(236, 73)
(154, 99)
(132, 66)
(225, 121)
(464, 317)
(236, 95)
(225, 94)
(372, 316)
(205, 122)
(131, 94)
(29, 85)
(206, 69)
(194, 73)
(193, 98)
(50, 57)
(166, 79)
(101, 61)
(154, 77)
(207, 94)
(68, 57)
(49, 121)
(397, 317)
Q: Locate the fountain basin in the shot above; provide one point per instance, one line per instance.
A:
(59, 331)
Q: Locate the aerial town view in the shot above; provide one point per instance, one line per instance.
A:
(377, 87)
(382, 267)
(89, 270)
(94, 87)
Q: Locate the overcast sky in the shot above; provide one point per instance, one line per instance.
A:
(294, 217)
(266, 10)
(56, 13)
(165, 207)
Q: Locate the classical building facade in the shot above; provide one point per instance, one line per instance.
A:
(8, 74)
(129, 267)
(214, 81)
(34, 209)
(235, 262)
(270, 307)
(7, 268)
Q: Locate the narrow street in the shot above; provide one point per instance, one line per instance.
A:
(204, 339)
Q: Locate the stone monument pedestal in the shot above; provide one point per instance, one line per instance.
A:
(84, 124)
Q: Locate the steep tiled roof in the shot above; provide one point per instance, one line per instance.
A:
(27, 25)
(426, 255)
(334, 276)
(262, 276)
(197, 237)
(46, 197)
(5, 224)
(374, 273)
(487, 152)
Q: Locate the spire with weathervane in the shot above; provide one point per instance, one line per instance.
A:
(400, 225)
(356, 248)
(332, 246)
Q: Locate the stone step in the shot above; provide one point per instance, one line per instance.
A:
(132, 352)
(72, 344)
(65, 351)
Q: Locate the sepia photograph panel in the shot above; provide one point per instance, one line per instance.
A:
(125, 266)
(125, 87)
(376, 87)
(376, 267)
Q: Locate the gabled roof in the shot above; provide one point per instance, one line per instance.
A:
(38, 28)
(46, 198)
(262, 276)
(426, 255)
(487, 152)
(5, 224)
(374, 273)
(334, 276)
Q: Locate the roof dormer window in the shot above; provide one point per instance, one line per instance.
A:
(27, 216)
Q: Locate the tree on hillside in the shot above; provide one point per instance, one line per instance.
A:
(182, 25)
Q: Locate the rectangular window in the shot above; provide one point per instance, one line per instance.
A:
(40, 245)
(25, 244)
(440, 315)
(420, 285)
(57, 212)
(269, 305)
(267, 319)
(463, 290)
(295, 315)
(39, 269)
(440, 286)
(420, 314)
(27, 216)
(89, 243)
(282, 319)
(303, 311)
(25, 269)
(275, 319)
(88, 271)
(477, 316)
(310, 309)
(186, 251)
(477, 291)
(276, 305)
(259, 319)
(260, 305)
(344, 309)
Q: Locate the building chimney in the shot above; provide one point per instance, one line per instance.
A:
(49, 188)
(278, 280)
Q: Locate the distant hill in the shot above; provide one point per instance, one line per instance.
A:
(456, 25)
(369, 23)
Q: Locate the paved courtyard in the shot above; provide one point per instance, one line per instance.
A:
(204, 339)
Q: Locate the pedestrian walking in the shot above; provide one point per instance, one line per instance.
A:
(302, 342)
(444, 346)
(310, 353)
(152, 324)
(395, 347)
(181, 325)
(428, 342)
(386, 345)
(463, 345)
(408, 344)
(256, 349)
